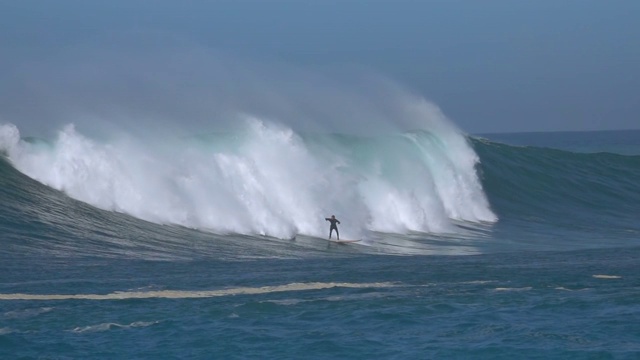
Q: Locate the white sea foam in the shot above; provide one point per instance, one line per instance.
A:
(109, 326)
(178, 294)
(561, 288)
(526, 288)
(287, 302)
(6, 330)
(607, 276)
(26, 313)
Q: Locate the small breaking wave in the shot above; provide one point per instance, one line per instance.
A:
(607, 276)
(110, 326)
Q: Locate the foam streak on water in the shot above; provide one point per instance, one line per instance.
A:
(177, 294)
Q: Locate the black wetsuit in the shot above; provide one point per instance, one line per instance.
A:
(333, 222)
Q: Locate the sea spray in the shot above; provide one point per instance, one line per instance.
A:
(9, 138)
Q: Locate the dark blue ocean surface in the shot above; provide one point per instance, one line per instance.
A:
(578, 304)
(547, 270)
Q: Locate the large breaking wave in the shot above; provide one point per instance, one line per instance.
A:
(266, 178)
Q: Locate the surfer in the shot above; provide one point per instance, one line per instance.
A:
(333, 226)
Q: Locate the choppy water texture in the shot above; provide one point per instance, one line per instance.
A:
(496, 247)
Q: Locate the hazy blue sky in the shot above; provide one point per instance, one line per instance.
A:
(492, 66)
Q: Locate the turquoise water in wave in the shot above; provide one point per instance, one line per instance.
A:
(554, 277)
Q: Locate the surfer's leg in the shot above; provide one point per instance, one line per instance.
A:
(337, 234)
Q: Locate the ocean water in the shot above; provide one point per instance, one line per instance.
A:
(214, 246)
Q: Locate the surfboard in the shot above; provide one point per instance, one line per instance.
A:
(344, 241)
